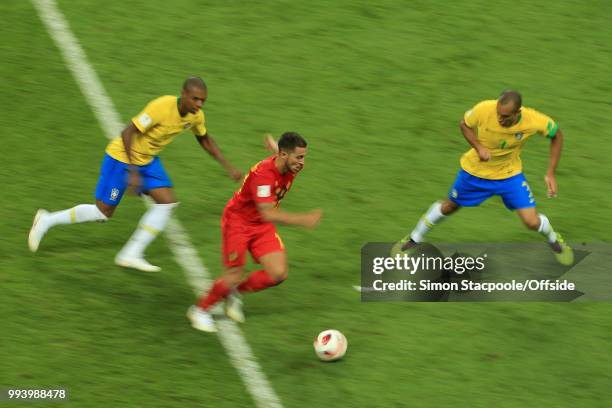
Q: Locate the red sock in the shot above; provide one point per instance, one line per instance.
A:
(218, 291)
(256, 281)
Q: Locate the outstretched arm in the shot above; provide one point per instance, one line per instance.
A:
(270, 213)
(556, 145)
(208, 144)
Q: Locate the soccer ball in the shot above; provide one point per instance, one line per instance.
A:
(330, 345)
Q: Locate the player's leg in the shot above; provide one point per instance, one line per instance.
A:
(268, 250)
(274, 272)
(435, 214)
(467, 191)
(539, 222)
(517, 195)
(158, 186)
(199, 314)
(109, 191)
(221, 287)
(106, 209)
(235, 238)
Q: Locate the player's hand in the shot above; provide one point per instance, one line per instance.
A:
(270, 144)
(312, 218)
(235, 174)
(134, 182)
(551, 185)
(484, 154)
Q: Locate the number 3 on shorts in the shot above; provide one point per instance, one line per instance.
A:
(526, 185)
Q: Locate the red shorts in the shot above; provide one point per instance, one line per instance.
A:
(239, 236)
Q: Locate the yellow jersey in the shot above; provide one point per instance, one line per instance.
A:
(505, 143)
(159, 123)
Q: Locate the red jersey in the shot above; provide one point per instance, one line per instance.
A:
(263, 184)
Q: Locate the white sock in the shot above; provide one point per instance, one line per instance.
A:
(432, 217)
(75, 215)
(151, 224)
(546, 229)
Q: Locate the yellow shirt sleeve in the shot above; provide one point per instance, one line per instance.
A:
(199, 127)
(151, 115)
(544, 124)
(473, 117)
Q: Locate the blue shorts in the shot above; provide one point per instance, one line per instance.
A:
(114, 179)
(470, 191)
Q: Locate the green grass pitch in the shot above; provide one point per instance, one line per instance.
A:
(378, 89)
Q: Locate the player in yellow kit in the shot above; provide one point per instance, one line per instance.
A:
(497, 130)
(132, 160)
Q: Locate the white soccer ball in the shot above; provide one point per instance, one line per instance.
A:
(330, 345)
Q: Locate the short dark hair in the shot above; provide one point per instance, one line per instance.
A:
(290, 140)
(194, 82)
(510, 95)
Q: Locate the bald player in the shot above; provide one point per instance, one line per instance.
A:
(131, 160)
(497, 130)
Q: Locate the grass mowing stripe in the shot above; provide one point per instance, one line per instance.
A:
(230, 335)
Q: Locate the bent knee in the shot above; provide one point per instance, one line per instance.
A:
(448, 207)
(106, 210)
(281, 278)
(105, 214)
(279, 274)
(532, 223)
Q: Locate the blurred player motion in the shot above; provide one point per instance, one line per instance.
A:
(132, 160)
(497, 130)
(247, 224)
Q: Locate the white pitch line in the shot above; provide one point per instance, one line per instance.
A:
(186, 256)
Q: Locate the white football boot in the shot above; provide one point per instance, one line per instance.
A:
(38, 230)
(138, 263)
(233, 307)
(201, 319)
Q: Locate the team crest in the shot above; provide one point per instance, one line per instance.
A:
(518, 135)
(114, 194)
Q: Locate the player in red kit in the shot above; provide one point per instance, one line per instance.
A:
(248, 225)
